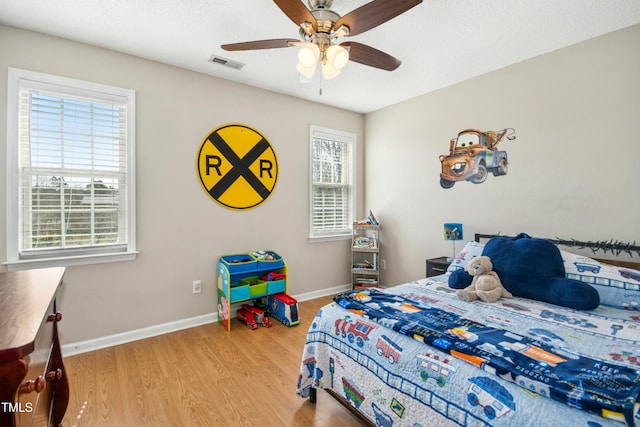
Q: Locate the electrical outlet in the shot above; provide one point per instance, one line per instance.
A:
(197, 286)
(383, 264)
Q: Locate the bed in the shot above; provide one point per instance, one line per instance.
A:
(416, 355)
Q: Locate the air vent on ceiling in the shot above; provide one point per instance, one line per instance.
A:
(215, 59)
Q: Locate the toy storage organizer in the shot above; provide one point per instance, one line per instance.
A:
(240, 278)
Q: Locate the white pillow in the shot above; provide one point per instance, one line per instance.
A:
(618, 287)
(471, 250)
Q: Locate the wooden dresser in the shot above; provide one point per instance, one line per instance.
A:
(34, 390)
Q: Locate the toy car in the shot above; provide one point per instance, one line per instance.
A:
(258, 315)
(247, 318)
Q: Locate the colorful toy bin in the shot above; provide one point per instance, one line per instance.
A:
(257, 288)
(239, 292)
(275, 282)
(268, 259)
(239, 263)
(275, 287)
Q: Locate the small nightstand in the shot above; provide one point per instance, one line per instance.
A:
(437, 266)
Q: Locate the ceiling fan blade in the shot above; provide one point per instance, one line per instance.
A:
(370, 56)
(297, 12)
(373, 14)
(260, 44)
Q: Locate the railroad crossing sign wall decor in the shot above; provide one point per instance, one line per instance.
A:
(237, 166)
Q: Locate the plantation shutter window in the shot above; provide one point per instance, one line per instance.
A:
(332, 183)
(74, 161)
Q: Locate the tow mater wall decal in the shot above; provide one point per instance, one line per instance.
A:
(472, 155)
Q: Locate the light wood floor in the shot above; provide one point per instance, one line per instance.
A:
(201, 376)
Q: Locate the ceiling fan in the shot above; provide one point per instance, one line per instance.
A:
(320, 28)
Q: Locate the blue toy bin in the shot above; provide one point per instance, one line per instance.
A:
(276, 262)
(275, 287)
(239, 292)
(239, 263)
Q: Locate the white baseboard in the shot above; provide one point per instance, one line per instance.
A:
(136, 334)
(323, 292)
(165, 328)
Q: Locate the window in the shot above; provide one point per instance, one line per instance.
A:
(70, 171)
(332, 183)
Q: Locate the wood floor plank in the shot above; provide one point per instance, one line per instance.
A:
(203, 376)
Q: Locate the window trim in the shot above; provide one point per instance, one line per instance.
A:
(18, 78)
(351, 139)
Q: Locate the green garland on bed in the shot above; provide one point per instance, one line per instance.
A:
(615, 246)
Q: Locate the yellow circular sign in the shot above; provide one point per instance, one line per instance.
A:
(237, 166)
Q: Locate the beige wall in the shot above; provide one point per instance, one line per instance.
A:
(574, 167)
(181, 232)
(573, 172)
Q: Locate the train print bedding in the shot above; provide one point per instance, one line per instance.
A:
(416, 355)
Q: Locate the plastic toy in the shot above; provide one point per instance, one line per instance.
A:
(258, 315)
(263, 255)
(284, 309)
(271, 276)
(247, 318)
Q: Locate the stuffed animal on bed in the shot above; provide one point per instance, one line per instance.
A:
(532, 268)
(485, 285)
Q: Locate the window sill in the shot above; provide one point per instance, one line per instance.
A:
(25, 264)
(318, 239)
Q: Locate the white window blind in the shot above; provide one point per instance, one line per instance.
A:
(332, 171)
(74, 155)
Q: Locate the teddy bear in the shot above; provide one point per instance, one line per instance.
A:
(531, 267)
(486, 284)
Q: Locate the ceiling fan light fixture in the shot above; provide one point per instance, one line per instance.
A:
(337, 56)
(306, 71)
(308, 54)
(320, 27)
(329, 71)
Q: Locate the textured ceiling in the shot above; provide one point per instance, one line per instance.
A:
(440, 42)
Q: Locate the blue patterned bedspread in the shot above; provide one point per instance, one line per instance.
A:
(394, 353)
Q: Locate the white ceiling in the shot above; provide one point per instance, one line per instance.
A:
(440, 42)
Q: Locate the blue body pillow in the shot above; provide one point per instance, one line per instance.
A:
(532, 268)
